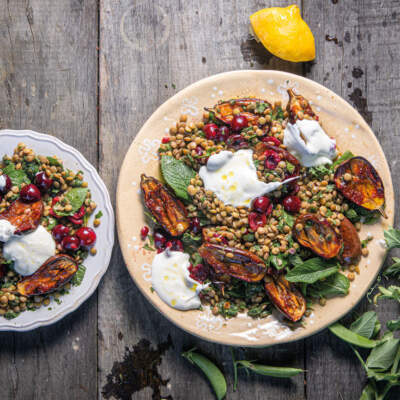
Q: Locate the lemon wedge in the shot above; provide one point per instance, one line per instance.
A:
(284, 33)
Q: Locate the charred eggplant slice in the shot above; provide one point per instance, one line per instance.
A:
(285, 296)
(317, 234)
(298, 107)
(224, 111)
(241, 264)
(359, 182)
(53, 274)
(169, 212)
(351, 252)
(24, 216)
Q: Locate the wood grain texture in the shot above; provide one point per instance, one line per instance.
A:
(48, 83)
(363, 69)
(146, 50)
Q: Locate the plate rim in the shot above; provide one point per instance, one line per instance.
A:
(158, 112)
(109, 234)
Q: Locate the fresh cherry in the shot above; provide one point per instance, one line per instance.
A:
(77, 218)
(165, 139)
(43, 182)
(211, 131)
(5, 183)
(87, 236)
(256, 220)
(196, 227)
(159, 240)
(60, 232)
(199, 272)
(272, 159)
(271, 139)
(70, 243)
(30, 193)
(174, 245)
(239, 122)
(262, 204)
(144, 232)
(223, 133)
(292, 204)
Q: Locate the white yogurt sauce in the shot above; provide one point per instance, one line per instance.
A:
(170, 279)
(233, 178)
(6, 230)
(3, 183)
(30, 251)
(308, 142)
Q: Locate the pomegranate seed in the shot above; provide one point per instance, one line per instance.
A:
(165, 140)
(261, 204)
(144, 232)
(256, 220)
(43, 182)
(5, 183)
(70, 243)
(292, 204)
(30, 193)
(239, 122)
(199, 272)
(87, 236)
(271, 139)
(59, 232)
(272, 159)
(211, 131)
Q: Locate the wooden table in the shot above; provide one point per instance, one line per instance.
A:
(91, 72)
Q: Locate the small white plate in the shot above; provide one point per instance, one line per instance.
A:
(97, 265)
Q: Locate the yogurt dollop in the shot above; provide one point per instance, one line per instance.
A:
(6, 230)
(309, 143)
(30, 251)
(170, 279)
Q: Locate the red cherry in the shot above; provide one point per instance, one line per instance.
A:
(256, 220)
(43, 182)
(174, 245)
(5, 183)
(87, 236)
(165, 140)
(292, 204)
(30, 193)
(237, 142)
(77, 218)
(239, 122)
(199, 272)
(223, 133)
(70, 243)
(271, 139)
(211, 131)
(144, 232)
(60, 232)
(272, 159)
(159, 240)
(261, 204)
(196, 227)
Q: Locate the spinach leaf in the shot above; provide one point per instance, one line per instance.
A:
(365, 325)
(75, 197)
(335, 285)
(178, 175)
(392, 237)
(79, 275)
(312, 270)
(17, 176)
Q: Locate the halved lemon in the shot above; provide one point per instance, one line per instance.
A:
(284, 33)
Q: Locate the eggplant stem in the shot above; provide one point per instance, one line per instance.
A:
(382, 212)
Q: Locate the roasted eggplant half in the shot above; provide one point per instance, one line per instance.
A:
(360, 183)
(224, 111)
(169, 212)
(24, 216)
(351, 252)
(53, 274)
(316, 233)
(298, 107)
(285, 296)
(241, 264)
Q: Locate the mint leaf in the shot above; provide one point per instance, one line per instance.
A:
(75, 197)
(393, 325)
(98, 215)
(54, 162)
(394, 269)
(382, 356)
(344, 157)
(312, 270)
(365, 325)
(178, 175)
(335, 285)
(17, 176)
(79, 275)
(319, 171)
(392, 238)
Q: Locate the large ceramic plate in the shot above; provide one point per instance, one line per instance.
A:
(338, 118)
(96, 265)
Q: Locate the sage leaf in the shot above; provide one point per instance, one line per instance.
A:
(365, 325)
(178, 175)
(382, 356)
(351, 337)
(312, 270)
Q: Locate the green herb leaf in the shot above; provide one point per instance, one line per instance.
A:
(335, 285)
(278, 261)
(75, 197)
(394, 269)
(393, 325)
(382, 356)
(365, 325)
(285, 219)
(17, 176)
(319, 171)
(98, 215)
(344, 157)
(351, 337)
(148, 247)
(392, 292)
(178, 175)
(392, 238)
(79, 275)
(31, 168)
(191, 242)
(312, 270)
(54, 162)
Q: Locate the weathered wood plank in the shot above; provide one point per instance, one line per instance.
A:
(144, 47)
(48, 82)
(363, 68)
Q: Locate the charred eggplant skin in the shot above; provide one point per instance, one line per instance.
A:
(298, 106)
(24, 216)
(316, 233)
(169, 212)
(351, 252)
(241, 264)
(53, 274)
(285, 296)
(363, 186)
